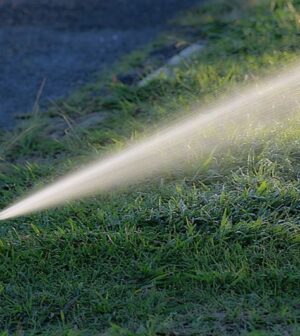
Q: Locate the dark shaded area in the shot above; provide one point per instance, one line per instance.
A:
(65, 42)
(79, 14)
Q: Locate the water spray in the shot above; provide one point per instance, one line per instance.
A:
(262, 104)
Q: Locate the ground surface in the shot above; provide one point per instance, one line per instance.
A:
(65, 42)
(211, 250)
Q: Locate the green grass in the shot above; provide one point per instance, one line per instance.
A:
(215, 251)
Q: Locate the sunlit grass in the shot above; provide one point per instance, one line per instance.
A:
(213, 251)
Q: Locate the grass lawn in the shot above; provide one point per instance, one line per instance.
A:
(215, 251)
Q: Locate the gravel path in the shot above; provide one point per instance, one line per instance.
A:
(65, 42)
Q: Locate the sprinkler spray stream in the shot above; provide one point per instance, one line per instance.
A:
(260, 105)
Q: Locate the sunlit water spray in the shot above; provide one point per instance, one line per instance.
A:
(261, 105)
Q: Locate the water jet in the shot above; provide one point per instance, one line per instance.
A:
(259, 105)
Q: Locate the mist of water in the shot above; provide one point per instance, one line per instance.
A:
(260, 105)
